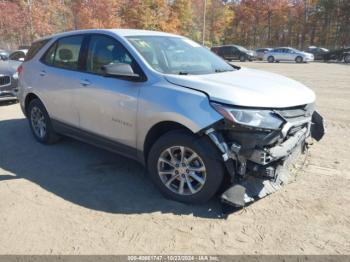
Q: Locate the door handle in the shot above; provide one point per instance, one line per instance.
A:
(85, 82)
(42, 72)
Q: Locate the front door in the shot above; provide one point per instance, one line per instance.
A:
(108, 105)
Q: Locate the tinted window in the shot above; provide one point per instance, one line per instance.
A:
(67, 52)
(227, 50)
(34, 49)
(104, 50)
(17, 55)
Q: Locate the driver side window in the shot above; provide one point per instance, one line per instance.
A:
(104, 50)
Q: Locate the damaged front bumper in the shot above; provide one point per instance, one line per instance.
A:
(263, 166)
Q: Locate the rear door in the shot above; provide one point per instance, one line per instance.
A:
(58, 79)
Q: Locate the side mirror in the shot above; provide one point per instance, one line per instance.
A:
(119, 69)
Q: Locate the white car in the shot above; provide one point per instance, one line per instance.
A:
(288, 54)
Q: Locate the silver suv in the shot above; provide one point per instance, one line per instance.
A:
(196, 122)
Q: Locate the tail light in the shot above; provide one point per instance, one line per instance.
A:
(19, 69)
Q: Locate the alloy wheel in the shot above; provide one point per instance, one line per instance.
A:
(38, 122)
(182, 170)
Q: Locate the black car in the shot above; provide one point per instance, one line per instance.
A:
(342, 54)
(318, 52)
(234, 52)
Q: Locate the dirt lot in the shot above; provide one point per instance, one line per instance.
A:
(72, 198)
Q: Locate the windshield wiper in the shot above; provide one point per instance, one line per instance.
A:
(222, 70)
(183, 73)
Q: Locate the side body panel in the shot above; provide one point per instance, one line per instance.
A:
(163, 101)
(108, 106)
(58, 89)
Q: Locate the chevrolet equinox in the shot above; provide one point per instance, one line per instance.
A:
(196, 122)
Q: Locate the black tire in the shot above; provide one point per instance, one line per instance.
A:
(242, 58)
(299, 59)
(347, 59)
(50, 136)
(208, 153)
(270, 59)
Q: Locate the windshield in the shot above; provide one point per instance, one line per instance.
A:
(177, 55)
(241, 48)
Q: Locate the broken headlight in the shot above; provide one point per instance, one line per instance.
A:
(259, 118)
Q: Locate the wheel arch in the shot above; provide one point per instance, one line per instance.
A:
(29, 97)
(157, 131)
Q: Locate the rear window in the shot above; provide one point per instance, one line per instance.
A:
(35, 48)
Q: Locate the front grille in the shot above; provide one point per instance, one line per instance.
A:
(298, 112)
(5, 80)
(299, 117)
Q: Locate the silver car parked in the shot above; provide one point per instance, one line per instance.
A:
(9, 76)
(172, 105)
(287, 54)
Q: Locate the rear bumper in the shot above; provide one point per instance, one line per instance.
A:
(7, 95)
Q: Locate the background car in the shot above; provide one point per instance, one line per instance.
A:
(234, 52)
(9, 76)
(342, 54)
(18, 55)
(4, 55)
(260, 52)
(288, 54)
(318, 52)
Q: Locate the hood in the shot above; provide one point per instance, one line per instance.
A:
(8, 67)
(248, 87)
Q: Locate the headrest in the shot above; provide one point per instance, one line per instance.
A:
(65, 54)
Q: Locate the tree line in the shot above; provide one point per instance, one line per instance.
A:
(251, 23)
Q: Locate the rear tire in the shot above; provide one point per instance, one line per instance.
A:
(270, 59)
(299, 59)
(164, 165)
(40, 123)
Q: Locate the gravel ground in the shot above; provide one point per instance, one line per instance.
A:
(72, 198)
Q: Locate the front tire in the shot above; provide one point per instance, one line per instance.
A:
(185, 168)
(40, 123)
(270, 59)
(242, 58)
(299, 59)
(347, 59)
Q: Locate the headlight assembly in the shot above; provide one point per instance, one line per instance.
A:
(259, 118)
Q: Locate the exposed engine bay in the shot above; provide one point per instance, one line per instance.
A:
(258, 159)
